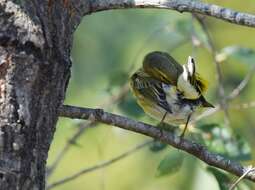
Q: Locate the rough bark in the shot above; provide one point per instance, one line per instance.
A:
(35, 42)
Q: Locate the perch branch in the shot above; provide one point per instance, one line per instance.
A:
(212, 10)
(197, 150)
(82, 127)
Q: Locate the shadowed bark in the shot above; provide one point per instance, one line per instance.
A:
(35, 42)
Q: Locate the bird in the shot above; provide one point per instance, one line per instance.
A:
(168, 91)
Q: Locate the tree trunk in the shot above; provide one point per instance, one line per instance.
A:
(35, 43)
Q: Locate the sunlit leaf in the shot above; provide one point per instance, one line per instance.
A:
(222, 178)
(245, 185)
(170, 164)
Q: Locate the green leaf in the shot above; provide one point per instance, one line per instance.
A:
(130, 107)
(243, 152)
(170, 164)
(246, 55)
(222, 178)
(208, 127)
(157, 146)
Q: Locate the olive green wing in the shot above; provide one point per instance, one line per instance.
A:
(150, 89)
(163, 67)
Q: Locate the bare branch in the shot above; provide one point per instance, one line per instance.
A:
(188, 146)
(246, 105)
(67, 146)
(113, 99)
(249, 169)
(99, 166)
(242, 84)
(216, 11)
(221, 91)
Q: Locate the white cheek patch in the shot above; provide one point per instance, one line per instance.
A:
(191, 65)
(185, 73)
(186, 88)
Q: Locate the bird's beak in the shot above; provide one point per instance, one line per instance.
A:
(205, 103)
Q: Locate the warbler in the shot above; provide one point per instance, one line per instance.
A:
(168, 91)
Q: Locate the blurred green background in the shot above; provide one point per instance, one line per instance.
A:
(108, 47)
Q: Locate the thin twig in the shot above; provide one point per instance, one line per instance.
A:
(99, 166)
(243, 105)
(242, 84)
(221, 91)
(215, 11)
(191, 147)
(249, 169)
(114, 99)
(67, 146)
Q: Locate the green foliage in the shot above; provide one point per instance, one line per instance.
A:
(171, 163)
(221, 140)
(222, 178)
(130, 107)
(157, 146)
(207, 127)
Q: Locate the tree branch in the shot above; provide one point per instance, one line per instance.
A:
(236, 92)
(113, 99)
(199, 151)
(249, 169)
(216, 11)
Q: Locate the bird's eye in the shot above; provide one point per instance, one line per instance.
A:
(134, 76)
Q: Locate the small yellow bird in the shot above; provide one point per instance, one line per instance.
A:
(168, 91)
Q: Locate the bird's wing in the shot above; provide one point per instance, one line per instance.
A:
(152, 91)
(163, 67)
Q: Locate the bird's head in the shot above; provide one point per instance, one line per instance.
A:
(189, 83)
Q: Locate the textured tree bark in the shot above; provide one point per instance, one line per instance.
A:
(35, 42)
